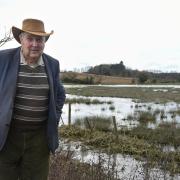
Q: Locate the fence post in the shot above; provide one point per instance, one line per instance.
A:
(89, 124)
(115, 127)
(69, 114)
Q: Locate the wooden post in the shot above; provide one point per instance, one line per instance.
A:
(62, 120)
(115, 127)
(88, 123)
(69, 114)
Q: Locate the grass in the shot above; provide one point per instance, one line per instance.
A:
(64, 167)
(145, 117)
(86, 101)
(142, 94)
(95, 79)
(164, 134)
(140, 144)
(95, 123)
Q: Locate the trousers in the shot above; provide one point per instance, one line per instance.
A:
(25, 156)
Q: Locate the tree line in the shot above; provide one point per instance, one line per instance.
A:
(143, 76)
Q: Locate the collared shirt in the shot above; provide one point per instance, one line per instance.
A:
(40, 61)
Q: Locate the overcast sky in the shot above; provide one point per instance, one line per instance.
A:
(144, 34)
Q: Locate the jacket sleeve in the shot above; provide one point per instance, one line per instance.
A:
(60, 96)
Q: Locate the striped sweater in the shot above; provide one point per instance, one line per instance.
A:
(31, 101)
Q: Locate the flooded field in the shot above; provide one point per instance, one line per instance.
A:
(124, 167)
(157, 106)
(122, 109)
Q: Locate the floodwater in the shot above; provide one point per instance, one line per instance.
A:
(126, 167)
(123, 167)
(121, 108)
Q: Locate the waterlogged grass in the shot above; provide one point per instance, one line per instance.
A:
(140, 143)
(145, 117)
(165, 134)
(142, 94)
(86, 101)
(108, 141)
(95, 123)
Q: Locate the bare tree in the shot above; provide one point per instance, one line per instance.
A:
(7, 37)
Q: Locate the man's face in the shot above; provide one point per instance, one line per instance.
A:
(32, 46)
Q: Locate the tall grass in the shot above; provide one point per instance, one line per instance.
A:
(63, 166)
(95, 123)
(86, 101)
(139, 142)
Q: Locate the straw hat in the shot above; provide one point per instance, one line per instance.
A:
(32, 26)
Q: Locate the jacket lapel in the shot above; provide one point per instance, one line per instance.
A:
(13, 70)
(50, 76)
(16, 62)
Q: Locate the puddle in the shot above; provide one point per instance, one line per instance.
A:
(123, 166)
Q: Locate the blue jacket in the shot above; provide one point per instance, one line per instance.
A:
(9, 64)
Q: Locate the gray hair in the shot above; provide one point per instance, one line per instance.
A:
(22, 34)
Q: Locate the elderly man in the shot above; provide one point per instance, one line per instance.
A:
(31, 100)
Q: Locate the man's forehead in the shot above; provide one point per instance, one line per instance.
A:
(32, 35)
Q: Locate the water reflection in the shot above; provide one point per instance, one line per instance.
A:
(122, 109)
(121, 166)
(125, 110)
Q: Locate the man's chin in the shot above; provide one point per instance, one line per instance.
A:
(35, 57)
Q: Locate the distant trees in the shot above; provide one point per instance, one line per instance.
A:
(109, 69)
(142, 76)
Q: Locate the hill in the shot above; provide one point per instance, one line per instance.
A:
(142, 77)
(119, 74)
(86, 78)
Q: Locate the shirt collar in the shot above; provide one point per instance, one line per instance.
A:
(40, 61)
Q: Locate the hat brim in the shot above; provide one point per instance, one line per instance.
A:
(16, 32)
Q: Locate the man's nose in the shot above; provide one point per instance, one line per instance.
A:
(35, 42)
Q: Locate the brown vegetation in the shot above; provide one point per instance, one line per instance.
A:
(64, 167)
(95, 79)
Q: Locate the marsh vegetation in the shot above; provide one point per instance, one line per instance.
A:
(143, 94)
(149, 131)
